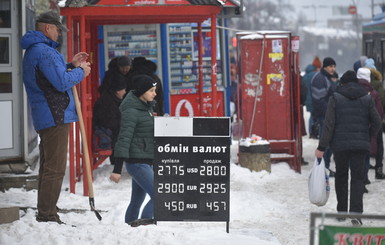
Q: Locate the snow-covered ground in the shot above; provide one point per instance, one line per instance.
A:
(266, 209)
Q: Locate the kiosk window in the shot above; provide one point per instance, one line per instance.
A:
(5, 14)
(4, 50)
(5, 82)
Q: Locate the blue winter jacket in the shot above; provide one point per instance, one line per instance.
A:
(322, 87)
(48, 81)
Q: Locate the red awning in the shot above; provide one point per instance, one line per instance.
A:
(143, 14)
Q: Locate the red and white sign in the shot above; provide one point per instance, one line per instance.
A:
(188, 105)
(352, 9)
(140, 2)
(176, 2)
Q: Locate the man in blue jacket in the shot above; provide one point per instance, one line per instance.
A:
(48, 81)
(322, 86)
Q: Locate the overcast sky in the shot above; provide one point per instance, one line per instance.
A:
(319, 10)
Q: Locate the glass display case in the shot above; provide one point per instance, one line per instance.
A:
(184, 60)
(133, 41)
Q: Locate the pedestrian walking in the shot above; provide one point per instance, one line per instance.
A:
(322, 87)
(351, 120)
(135, 145)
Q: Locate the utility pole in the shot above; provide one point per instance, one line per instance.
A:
(372, 8)
(356, 23)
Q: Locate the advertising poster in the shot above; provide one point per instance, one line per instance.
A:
(206, 45)
(339, 235)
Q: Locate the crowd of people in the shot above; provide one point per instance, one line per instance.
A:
(131, 94)
(346, 115)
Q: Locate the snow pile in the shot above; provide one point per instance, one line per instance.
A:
(265, 209)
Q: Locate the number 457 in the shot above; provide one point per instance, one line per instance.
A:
(216, 205)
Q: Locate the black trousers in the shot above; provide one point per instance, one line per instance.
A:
(380, 150)
(355, 161)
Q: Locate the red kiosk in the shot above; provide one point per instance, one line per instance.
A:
(83, 23)
(270, 92)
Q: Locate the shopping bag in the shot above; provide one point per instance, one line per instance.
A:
(319, 187)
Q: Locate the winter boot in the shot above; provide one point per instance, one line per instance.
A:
(140, 222)
(356, 222)
(379, 173)
(304, 162)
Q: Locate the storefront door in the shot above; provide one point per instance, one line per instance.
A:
(10, 82)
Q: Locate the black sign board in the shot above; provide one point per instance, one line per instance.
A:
(192, 169)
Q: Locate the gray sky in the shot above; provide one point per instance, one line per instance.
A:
(321, 9)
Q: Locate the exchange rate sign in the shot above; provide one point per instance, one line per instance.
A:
(192, 169)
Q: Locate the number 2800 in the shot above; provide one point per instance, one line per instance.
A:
(209, 170)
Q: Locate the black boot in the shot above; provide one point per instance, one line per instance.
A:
(304, 162)
(379, 173)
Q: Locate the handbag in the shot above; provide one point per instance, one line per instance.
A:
(318, 182)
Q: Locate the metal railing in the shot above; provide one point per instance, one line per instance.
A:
(323, 216)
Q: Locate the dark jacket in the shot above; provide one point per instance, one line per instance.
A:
(351, 119)
(310, 71)
(374, 94)
(136, 137)
(113, 70)
(106, 113)
(322, 87)
(303, 92)
(48, 81)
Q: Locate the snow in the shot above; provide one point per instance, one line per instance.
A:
(330, 32)
(253, 140)
(265, 209)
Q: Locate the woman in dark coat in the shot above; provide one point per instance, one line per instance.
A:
(106, 114)
(376, 148)
(118, 65)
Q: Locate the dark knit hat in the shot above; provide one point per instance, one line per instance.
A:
(349, 76)
(138, 62)
(117, 82)
(51, 17)
(142, 83)
(123, 61)
(328, 62)
(151, 65)
(356, 65)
